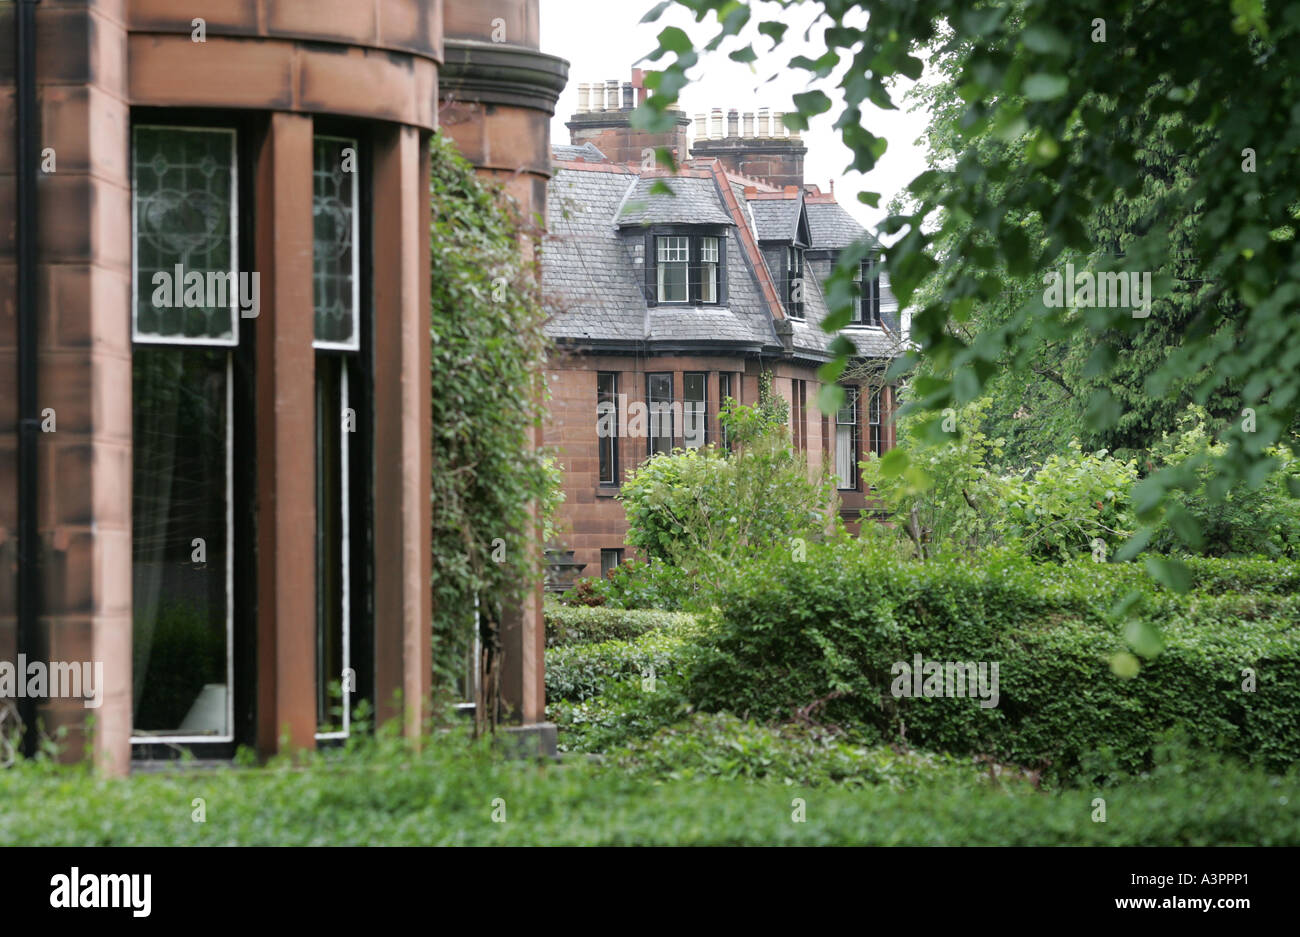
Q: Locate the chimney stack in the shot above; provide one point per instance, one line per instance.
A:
(763, 149)
(605, 120)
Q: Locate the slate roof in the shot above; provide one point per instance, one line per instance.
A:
(694, 201)
(777, 219)
(587, 151)
(831, 227)
(593, 264)
(592, 272)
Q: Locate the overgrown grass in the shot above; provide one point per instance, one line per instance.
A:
(382, 794)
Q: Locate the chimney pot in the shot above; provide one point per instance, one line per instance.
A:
(584, 97)
(733, 123)
(763, 130)
(629, 96)
(778, 123)
(717, 123)
(611, 94)
(701, 126)
(749, 123)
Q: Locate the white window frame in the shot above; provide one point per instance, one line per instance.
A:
(710, 250)
(851, 424)
(666, 254)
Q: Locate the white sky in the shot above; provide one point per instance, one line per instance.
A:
(603, 39)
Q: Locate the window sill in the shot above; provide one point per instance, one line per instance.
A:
(608, 491)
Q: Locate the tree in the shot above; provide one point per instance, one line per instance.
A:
(1070, 91)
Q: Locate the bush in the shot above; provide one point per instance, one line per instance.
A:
(702, 510)
(722, 746)
(1071, 503)
(830, 629)
(591, 624)
(582, 670)
(604, 695)
(634, 584)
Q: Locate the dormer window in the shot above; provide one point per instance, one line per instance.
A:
(866, 304)
(688, 268)
(794, 285)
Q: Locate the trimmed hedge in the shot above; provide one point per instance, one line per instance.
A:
(792, 633)
(578, 624)
(601, 695)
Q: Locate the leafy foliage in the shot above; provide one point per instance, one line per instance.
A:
(1075, 96)
(578, 625)
(701, 510)
(487, 350)
(445, 794)
(827, 633)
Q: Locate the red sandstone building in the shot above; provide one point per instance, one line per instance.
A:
(218, 488)
(682, 301)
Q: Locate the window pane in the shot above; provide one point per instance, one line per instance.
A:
(607, 418)
(186, 270)
(845, 456)
(659, 397)
(709, 269)
(695, 411)
(335, 262)
(180, 557)
(848, 414)
(334, 695)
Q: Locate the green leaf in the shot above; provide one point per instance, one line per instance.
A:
(830, 398)
(675, 40)
(657, 11)
(1044, 40)
(1124, 665)
(1143, 638)
(893, 463)
(1171, 573)
(1042, 86)
(745, 55)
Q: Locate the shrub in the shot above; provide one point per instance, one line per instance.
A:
(830, 628)
(604, 695)
(582, 670)
(635, 584)
(591, 624)
(722, 746)
(1072, 502)
(702, 510)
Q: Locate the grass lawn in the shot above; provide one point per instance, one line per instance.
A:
(381, 794)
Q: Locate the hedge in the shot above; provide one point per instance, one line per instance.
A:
(579, 624)
(829, 629)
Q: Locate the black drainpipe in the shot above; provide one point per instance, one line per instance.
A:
(28, 422)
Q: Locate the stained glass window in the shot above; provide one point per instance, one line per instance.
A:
(187, 283)
(335, 262)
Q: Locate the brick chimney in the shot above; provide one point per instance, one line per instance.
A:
(765, 149)
(604, 115)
